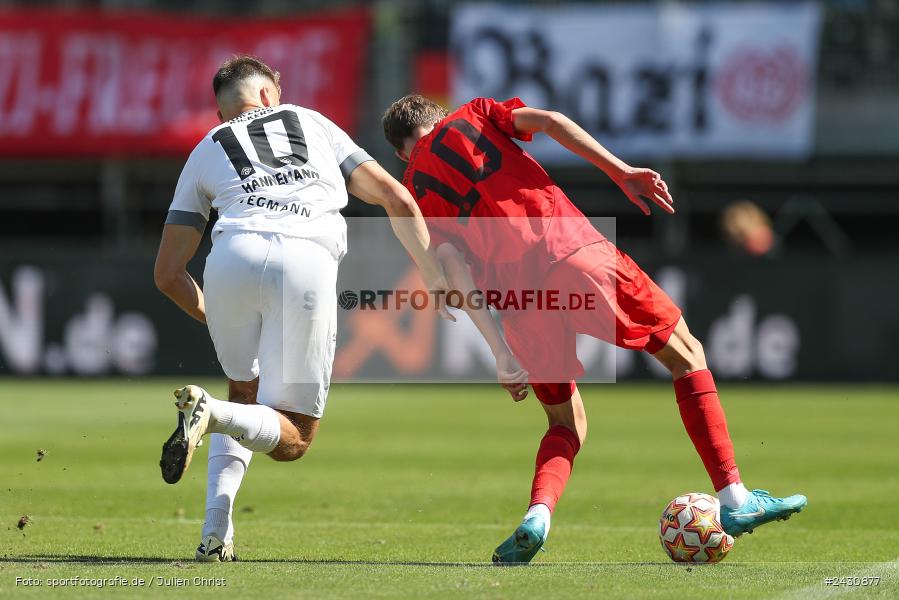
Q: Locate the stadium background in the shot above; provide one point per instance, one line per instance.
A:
(408, 488)
(85, 193)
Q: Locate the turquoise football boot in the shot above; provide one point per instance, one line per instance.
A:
(760, 508)
(523, 544)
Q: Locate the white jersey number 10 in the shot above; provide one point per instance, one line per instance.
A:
(299, 153)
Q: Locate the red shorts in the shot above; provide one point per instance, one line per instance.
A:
(602, 293)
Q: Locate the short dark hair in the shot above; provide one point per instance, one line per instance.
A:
(240, 67)
(406, 114)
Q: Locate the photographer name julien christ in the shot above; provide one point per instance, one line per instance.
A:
(193, 581)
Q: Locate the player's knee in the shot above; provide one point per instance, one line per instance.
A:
(689, 358)
(683, 354)
(291, 451)
(694, 355)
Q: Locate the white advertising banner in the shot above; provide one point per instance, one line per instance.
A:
(660, 81)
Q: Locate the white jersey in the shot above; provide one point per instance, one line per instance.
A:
(276, 170)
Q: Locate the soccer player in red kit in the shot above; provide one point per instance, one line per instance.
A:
(501, 223)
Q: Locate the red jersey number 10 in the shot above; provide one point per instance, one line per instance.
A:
(423, 183)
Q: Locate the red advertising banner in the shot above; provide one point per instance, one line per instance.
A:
(85, 83)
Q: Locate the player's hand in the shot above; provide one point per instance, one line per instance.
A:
(512, 377)
(640, 185)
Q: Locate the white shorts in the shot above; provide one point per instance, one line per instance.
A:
(271, 310)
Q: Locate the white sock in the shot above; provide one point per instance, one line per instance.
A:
(228, 463)
(541, 510)
(254, 426)
(733, 496)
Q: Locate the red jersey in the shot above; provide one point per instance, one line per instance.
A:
(478, 190)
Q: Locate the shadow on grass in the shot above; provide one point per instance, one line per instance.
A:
(119, 560)
(72, 558)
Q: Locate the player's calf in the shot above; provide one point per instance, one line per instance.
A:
(563, 439)
(703, 417)
(701, 411)
(555, 459)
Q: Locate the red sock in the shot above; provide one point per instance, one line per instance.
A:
(703, 417)
(554, 460)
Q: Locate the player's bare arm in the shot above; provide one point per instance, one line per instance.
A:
(179, 244)
(372, 184)
(509, 373)
(637, 184)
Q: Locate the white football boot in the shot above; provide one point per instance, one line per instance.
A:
(212, 549)
(193, 420)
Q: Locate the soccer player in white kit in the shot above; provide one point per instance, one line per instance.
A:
(278, 175)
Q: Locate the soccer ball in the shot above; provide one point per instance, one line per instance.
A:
(690, 529)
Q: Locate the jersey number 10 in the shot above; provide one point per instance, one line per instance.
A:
(299, 153)
(493, 160)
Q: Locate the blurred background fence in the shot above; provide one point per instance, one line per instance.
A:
(776, 125)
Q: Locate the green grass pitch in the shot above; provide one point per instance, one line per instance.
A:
(408, 489)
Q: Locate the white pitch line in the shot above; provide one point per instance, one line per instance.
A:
(887, 572)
